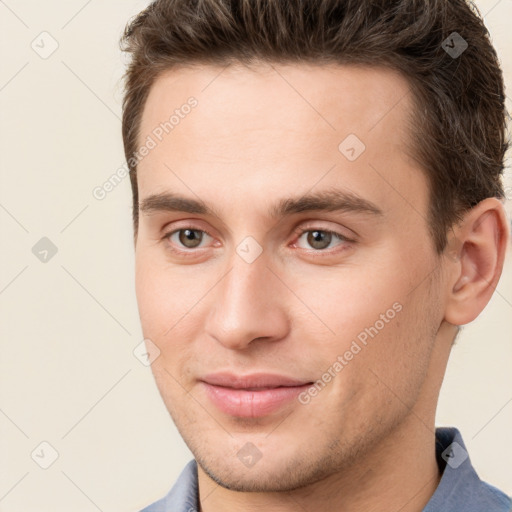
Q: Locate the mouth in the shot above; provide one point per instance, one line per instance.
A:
(251, 396)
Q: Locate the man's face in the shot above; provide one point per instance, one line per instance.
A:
(244, 293)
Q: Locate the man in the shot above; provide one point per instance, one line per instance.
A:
(317, 209)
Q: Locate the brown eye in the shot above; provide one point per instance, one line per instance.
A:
(319, 239)
(190, 238)
(184, 240)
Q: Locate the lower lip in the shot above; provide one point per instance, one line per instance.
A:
(252, 404)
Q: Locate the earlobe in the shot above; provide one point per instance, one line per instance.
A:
(481, 241)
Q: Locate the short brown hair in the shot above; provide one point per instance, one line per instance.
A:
(459, 119)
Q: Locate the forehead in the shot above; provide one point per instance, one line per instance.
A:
(323, 97)
(270, 125)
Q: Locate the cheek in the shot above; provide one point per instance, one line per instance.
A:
(168, 317)
(351, 302)
(161, 295)
(376, 318)
(148, 289)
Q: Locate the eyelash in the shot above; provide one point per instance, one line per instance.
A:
(298, 233)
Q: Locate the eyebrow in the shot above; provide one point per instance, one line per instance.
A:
(326, 201)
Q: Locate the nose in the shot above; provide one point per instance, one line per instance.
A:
(249, 304)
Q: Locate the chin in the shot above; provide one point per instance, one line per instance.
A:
(266, 476)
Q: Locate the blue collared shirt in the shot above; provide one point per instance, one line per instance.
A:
(460, 488)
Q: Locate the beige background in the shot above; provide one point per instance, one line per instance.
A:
(69, 326)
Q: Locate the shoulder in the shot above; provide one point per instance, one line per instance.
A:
(460, 488)
(183, 496)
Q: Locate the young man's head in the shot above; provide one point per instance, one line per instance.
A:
(316, 205)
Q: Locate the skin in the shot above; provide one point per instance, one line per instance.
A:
(256, 136)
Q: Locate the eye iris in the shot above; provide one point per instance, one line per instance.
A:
(316, 238)
(190, 237)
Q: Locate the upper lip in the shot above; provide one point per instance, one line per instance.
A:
(253, 381)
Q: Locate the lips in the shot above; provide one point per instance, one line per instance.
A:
(251, 396)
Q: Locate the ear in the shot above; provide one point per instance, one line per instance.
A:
(475, 254)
